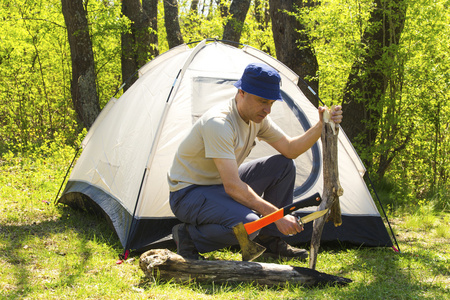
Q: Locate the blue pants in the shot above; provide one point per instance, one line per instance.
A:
(210, 214)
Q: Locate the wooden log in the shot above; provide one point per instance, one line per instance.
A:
(332, 189)
(166, 265)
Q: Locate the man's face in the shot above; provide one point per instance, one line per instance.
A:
(254, 108)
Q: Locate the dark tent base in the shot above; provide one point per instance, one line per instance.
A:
(146, 233)
(134, 234)
(357, 230)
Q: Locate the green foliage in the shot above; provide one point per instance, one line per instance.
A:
(258, 33)
(35, 98)
(106, 25)
(34, 91)
(163, 45)
(413, 139)
(424, 165)
(199, 25)
(336, 29)
(207, 22)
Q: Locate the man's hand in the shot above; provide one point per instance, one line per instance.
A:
(288, 225)
(336, 114)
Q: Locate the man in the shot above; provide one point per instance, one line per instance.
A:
(212, 191)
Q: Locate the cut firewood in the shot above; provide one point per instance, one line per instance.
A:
(166, 265)
(332, 189)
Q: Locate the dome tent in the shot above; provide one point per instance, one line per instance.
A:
(130, 147)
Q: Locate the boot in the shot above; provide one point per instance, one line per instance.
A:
(185, 245)
(277, 247)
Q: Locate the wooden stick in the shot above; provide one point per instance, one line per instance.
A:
(332, 189)
(166, 265)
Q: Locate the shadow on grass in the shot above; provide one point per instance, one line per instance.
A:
(30, 249)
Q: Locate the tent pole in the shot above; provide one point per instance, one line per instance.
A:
(385, 215)
(125, 82)
(154, 145)
(217, 40)
(126, 252)
(67, 173)
(312, 91)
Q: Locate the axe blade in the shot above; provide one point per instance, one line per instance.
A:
(250, 249)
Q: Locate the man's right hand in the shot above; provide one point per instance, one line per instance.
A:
(288, 225)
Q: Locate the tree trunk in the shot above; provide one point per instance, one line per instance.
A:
(363, 99)
(174, 36)
(83, 86)
(233, 28)
(332, 189)
(140, 44)
(292, 43)
(163, 264)
(151, 10)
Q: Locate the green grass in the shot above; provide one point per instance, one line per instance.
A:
(54, 252)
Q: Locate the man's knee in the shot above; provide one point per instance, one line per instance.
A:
(284, 163)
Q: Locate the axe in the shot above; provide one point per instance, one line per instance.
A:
(250, 249)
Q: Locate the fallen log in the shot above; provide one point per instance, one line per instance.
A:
(166, 265)
(332, 189)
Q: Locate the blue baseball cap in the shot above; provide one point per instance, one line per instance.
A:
(261, 80)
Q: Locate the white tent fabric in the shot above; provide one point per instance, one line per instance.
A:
(129, 149)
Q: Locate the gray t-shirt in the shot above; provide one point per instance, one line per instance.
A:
(219, 133)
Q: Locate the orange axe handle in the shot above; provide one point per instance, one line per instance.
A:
(313, 200)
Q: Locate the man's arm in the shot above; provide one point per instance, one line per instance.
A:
(292, 147)
(244, 194)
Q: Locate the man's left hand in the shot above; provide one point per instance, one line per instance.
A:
(336, 115)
